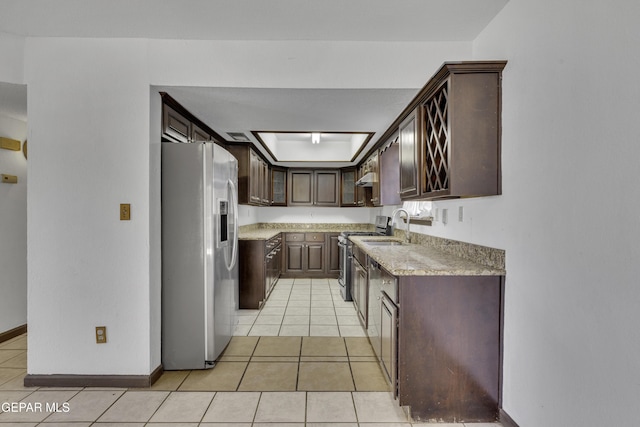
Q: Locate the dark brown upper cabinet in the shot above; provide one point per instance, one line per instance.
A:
(327, 188)
(253, 176)
(179, 125)
(198, 134)
(278, 186)
(462, 131)
(348, 187)
(314, 187)
(410, 134)
(389, 166)
(175, 126)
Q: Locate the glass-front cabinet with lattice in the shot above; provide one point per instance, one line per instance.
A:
(461, 119)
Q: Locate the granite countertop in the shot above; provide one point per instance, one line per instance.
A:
(419, 260)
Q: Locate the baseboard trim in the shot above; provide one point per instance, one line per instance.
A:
(506, 419)
(118, 381)
(12, 333)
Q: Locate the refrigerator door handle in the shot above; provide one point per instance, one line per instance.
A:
(234, 204)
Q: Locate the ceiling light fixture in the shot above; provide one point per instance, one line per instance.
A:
(315, 138)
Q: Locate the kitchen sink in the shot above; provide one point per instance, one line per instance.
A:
(382, 242)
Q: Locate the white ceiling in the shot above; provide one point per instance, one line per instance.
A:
(383, 20)
(242, 109)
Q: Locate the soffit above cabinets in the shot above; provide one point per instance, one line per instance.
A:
(236, 113)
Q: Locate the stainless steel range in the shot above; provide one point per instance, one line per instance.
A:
(346, 251)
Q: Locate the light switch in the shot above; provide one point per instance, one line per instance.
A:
(9, 179)
(101, 334)
(125, 212)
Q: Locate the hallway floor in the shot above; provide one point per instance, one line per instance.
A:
(301, 361)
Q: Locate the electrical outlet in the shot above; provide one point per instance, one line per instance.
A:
(125, 212)
(445, 216)
(460, 214)
(101, 334)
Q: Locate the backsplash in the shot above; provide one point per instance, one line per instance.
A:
(306, 226)
(484, 255)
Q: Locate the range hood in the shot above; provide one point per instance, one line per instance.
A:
(367, 180)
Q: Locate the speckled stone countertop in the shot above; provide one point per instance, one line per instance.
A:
(265, 231)
(422, 260)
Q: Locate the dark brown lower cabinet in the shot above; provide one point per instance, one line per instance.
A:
(311, 255)
(260, 264)
(304, 254)
(449, 348)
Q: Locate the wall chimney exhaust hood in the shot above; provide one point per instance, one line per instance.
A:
(367, 180)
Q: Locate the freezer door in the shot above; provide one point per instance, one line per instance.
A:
(183, 257)
(222, 248)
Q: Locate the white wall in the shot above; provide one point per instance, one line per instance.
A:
(311, 215)
(88, 106)
(568, 216)
(13, 229)
(12, 54)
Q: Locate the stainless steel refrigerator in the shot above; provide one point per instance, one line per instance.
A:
(199, 253)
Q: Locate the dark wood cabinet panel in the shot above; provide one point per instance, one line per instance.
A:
(300, 184)
(198, 134)
(253, 176)
(327, 188)
(389, 165)
(409, 153)
(450, 334)
(265, 181)
(308, 187)
(174, 125)
(314, 254)
(294, 253)
(259, 269)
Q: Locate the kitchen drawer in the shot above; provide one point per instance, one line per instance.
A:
(389, 285)
(314, 237)
(295, 237)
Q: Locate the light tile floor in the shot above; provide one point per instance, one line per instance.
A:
(185, 399)
(302, 307)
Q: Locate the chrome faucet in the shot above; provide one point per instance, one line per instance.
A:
(407, 233)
